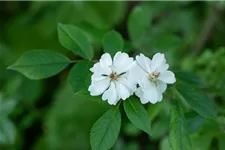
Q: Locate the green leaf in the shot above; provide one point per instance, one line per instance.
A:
(113, 42)
(164, 143)
(178, 135)
(160, 127)
(194, 122)
(201, 142)
(165, 42)
(221, 142)
(30, 97)
(6, 106)
(131, 130)
(106, 129)
(190, 78)
(80, 76)
(139, 22)
(137, 114)
(39, 64)
(7, 131)
(198, 101)
(27, 120)
(154, 110)
(75, 115)
(127, 46)
(76, 40)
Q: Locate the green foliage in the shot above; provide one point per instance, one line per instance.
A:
(158, 109)
(99, 14)
(7, 128)
(131, 130)
(80, 76)
(137, 114)
(212, 62)
(154, 110)
(221, 142)
(7, 131)
(24, 90)
(164, 144)
(79, 79)
(39, 64)
(113, 42)
(198, 101)
(105, 131)
(194, 122)
(70, 119)
(7, 107)
(75, 40)
(190, 78)
(30, 96)
(160, 127)
(178, 137)
(168, 42)
(139, 23)
(201, 142)
(57, 117)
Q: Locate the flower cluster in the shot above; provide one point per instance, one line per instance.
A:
(122, 76)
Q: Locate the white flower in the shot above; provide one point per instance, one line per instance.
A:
(111, 77)
(152, 77)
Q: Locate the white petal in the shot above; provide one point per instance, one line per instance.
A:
(98, 87)
(157, 59)
(160, 96)
(144, 62)
(122, 91)
(144, 82)
(98, 69)
(151, 94)
(161, 86)
(105, 60)
(148, 94)
(129, 84)
(122, 62)
(118, 58)
(139, 94)
(111, 95)
(162, 67)
(167, 77)
(97, 77)
(136, 74)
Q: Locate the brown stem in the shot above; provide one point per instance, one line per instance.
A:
(208, 27)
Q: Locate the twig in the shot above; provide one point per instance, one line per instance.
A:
(208, 27)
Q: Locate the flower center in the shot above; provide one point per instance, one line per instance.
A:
(113, 76)
(154, 76)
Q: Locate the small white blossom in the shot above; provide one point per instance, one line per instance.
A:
(111, 78)
(152, 77)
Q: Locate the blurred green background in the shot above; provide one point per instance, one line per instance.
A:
(45, 115)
